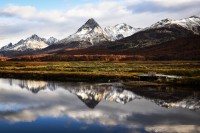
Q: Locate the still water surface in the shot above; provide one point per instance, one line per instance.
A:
(39, 106)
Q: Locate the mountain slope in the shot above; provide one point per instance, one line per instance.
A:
(162, 31)
(90, 32)
(185, 48)
(120, 31)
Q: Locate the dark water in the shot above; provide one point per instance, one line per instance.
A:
(39, 106)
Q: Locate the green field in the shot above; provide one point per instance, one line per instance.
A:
(99, 70)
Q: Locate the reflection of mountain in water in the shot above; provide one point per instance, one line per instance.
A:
(33, 86)
(36, 86)
(189, 103)
(91, 95)
(120, 96)
(170, 97)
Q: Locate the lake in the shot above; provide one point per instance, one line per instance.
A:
(76, 107)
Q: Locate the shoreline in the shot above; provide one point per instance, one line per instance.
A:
(88, 77)
(74, 77)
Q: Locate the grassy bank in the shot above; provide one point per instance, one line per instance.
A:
(100, 70)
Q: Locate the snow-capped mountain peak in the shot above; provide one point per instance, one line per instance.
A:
(4, 48)
(162, 23)
(52, 40)
(89, 32)
(35, 37)
(90, 25)
(33, 42)
(120, 31)
(123, 26)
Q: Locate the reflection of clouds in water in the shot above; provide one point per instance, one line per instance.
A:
(107, 116)
(29, 115)
(152, 122)
(23, 116)
(174, 129)
(88, 116)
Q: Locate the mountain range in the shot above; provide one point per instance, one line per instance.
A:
(90, 32)
(120, 39)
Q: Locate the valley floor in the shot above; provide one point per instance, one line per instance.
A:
(102, 71)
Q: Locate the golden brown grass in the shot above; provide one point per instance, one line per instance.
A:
(95, 70)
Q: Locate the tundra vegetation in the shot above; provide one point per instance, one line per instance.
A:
(102, 71)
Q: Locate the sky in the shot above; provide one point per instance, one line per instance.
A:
(20, 19)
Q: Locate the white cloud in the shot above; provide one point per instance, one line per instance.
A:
(169, 3)
(32, 14)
